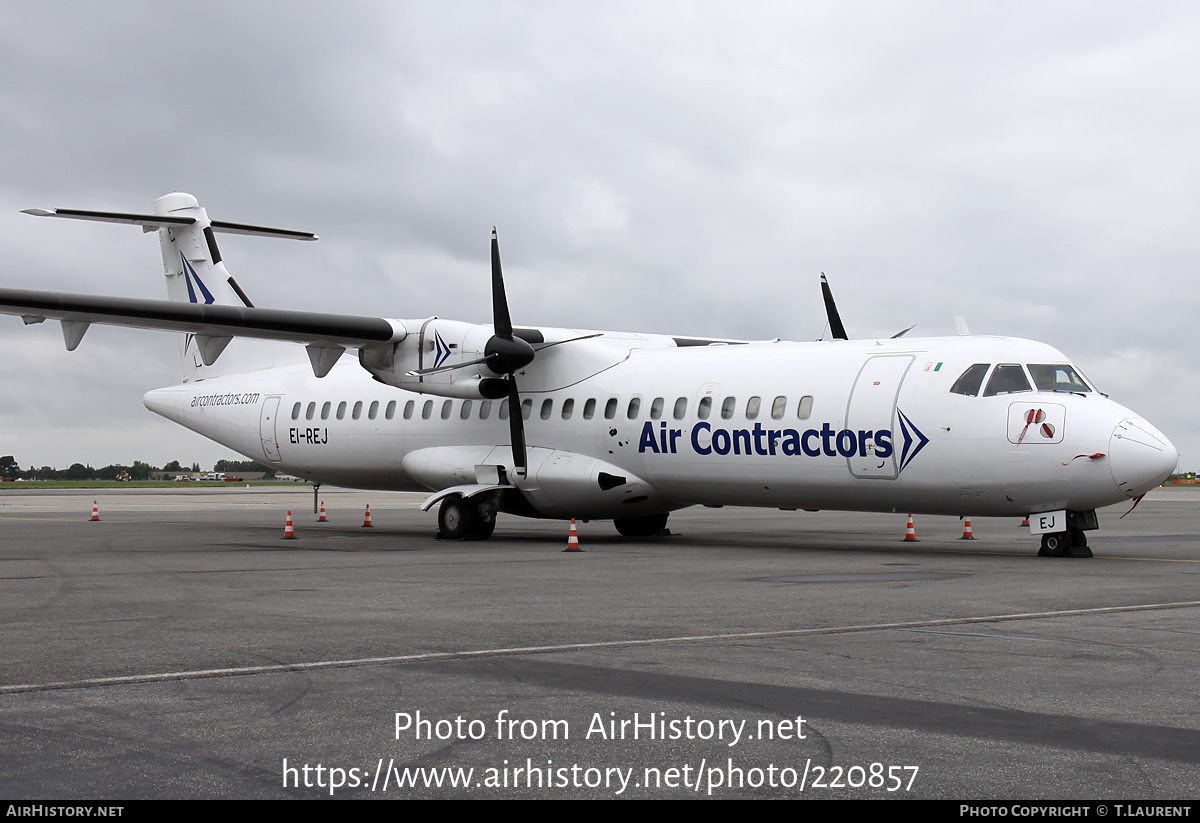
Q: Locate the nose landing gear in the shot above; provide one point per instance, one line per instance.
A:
(1071, 543)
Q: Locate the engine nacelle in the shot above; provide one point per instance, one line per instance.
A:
(439, 343)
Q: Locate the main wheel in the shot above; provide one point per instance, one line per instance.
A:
(1079, 546)
(485, 518)
(457, 519)
(646, 526)
(1055, 544)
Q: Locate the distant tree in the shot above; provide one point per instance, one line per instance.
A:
(174, 466)
(9, 467)
(78, 471)
(195, 467)
(140, 470)
(239, 466)
(109, 472)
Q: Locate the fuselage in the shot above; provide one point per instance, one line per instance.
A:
(852, 425)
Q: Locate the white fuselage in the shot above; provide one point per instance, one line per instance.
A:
(851, 425)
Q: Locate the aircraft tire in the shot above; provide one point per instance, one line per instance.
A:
(457, 519)
(1079, 546)
(646, 526)
(1055, 544)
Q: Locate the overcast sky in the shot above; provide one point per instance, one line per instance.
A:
(667, 167)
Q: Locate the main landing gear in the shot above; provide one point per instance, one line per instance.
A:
(463, 519)
(650, 525)
(1071, 543)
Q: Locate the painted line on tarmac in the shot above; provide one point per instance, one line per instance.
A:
(241, 671)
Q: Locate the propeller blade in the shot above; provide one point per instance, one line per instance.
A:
(500, 317)
(835, 321)
(516, 426)
(570, 340)
(902, 333)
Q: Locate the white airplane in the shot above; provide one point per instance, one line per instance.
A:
(622, 426)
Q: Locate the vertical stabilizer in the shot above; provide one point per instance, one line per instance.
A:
(195, 274)
(191, 259)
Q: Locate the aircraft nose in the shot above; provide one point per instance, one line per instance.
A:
(1140, 456)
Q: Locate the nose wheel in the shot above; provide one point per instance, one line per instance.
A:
(1071, 543)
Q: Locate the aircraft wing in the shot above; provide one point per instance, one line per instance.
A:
(326, 335)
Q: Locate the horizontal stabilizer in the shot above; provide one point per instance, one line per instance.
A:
(261, 231)
(146, 221)
(158, 221)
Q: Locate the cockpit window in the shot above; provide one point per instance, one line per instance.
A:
(1057, 377)
(1007, 379)
(969, 381)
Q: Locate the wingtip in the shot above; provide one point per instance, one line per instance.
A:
(39, 212)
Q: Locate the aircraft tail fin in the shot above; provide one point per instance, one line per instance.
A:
(193, 267)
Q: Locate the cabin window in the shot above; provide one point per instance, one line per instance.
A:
(968, 382)
(610, 408)
(804, 410)
(296, 412)
(589, 408)
(1008, 378)
(357, 413)
(778, 408)
(656, 408)
(408, 409)
(427, 410)
(341, 412)
(752, 407)
(526, 408)
(325, 407)
(704, 408)
(728, 407)
(547, 408)
(680, 408)
(568, 408)
(465, 412)
(310, 411)
(373, 411)
(391, 409)
(502, 413)
(485, 408)
(446, 409)
(635, 406)
(1057, 377)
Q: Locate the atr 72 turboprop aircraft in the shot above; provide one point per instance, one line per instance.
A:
(564, 423)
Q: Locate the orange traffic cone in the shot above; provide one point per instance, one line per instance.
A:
(288, 532)
(367, 518)
(1025, 522)
(95, 511)
(573, 539)
(910, 534)
(322, 518)
(967, 533)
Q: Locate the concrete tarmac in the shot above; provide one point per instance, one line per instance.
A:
(179, 648)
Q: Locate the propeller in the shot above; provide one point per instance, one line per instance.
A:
(504, 354)
(835, 320)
